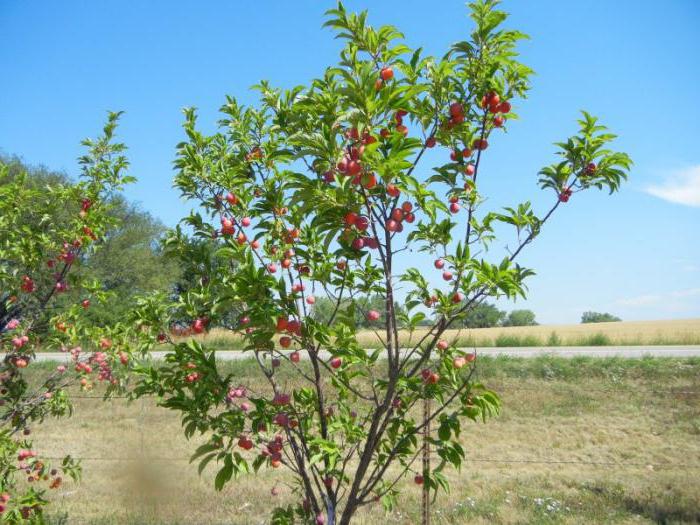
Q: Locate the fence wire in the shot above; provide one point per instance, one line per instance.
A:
(509, 461)
(504, 461)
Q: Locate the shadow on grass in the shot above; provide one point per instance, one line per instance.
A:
(662, 506)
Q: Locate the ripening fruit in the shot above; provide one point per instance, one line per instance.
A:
(369, 180)
(480, 144)
(443, 345)
(85, 303)
(199, 325)
(386, 74)
(455, 155)
(362, 223)
(504, 107)
(231, 198)
(456, 109)
(295, 357)
(439, 264)
(372, 243)
(285, 341)
(407, 206)
(272, 267)
(397, 214)
(336, 362)
(498, 121)
(358, 243)
(454, 207)
(446, 275)
(470, 357)
(354, 167)
(458, 297)
(430, 142)
(310, 299)
(245, 222)
(392, 190)
(459, 362)
(372, 315)
(409, 218)
(245, 443)
(418, 479)
(469, 169)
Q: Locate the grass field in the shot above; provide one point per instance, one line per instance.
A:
(579, 441)
(674, 332)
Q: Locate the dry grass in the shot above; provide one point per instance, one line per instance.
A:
(572, 410)
(673, 332)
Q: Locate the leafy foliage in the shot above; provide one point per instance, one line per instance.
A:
(46, 232)
(302, 202)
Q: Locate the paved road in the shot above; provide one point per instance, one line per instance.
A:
(561, 351)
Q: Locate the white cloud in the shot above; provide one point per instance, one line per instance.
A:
(641, 300)
(671, 299)
(690, 292)
(683, 187)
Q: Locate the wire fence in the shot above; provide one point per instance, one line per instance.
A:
(509, 388)
(509, 461)
(488, 460)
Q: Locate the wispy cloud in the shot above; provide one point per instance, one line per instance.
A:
(641, 300)
(683, 187)
(669, 299)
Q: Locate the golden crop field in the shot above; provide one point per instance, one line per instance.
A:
(672, 332)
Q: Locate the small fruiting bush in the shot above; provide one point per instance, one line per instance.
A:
(318, 192)
(38, 257)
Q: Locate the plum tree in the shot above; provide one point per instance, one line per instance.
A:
(38, 257)
(319, 191)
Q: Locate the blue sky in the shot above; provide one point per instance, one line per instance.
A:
(631, 62)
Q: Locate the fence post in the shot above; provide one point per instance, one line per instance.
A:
(426, 461)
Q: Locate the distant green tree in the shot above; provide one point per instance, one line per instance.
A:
(597, 317)
(520, 318)
(484, 315)
(131, 261)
